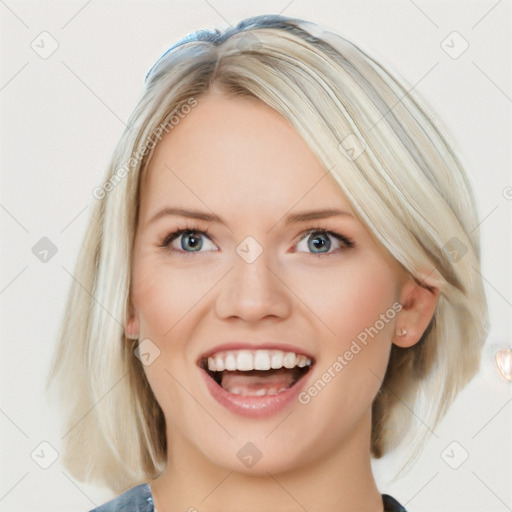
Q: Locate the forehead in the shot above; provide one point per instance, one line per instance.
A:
(237, 153)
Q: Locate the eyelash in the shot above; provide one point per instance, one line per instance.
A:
(165, 244)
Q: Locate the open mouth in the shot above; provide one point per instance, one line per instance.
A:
(256, 372)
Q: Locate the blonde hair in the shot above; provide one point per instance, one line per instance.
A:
(407, 186)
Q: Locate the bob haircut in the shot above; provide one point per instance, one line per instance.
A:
(407, 186)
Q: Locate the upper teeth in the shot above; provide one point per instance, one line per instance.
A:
(245, 360)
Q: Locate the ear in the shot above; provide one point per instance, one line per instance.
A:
(419, 301)
(131, 330)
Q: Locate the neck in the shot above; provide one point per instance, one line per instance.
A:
(341, 481)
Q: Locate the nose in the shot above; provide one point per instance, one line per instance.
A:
(253, 291)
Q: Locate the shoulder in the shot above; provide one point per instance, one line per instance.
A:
(136, 499)
(391, 505)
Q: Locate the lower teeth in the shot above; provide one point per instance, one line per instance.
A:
(258, 382)
(255, 392)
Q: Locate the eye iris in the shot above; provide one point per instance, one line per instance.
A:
(195, 242)
(318, 242)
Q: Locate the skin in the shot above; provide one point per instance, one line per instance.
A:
(230, 156)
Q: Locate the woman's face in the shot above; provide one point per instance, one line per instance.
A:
(276, 281)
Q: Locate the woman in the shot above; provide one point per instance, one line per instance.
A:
(271, 271)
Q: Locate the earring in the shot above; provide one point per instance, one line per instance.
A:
(504, 363)
(401, 332)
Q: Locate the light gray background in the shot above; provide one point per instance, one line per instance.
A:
(60, 119)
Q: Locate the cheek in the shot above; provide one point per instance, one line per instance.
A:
(167, 304)
(164, 297)
(357, 305)
(352, 298)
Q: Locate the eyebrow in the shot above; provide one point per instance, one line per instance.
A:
(292, 218)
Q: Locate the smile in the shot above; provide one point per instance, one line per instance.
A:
(255, 382)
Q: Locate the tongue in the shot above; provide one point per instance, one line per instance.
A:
(257, 382)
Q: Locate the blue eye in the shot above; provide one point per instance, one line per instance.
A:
(321, 242)
(191, 241)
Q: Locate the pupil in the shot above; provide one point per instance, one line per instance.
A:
(193, 241)
(320, 241)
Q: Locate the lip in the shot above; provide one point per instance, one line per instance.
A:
(254, 406)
